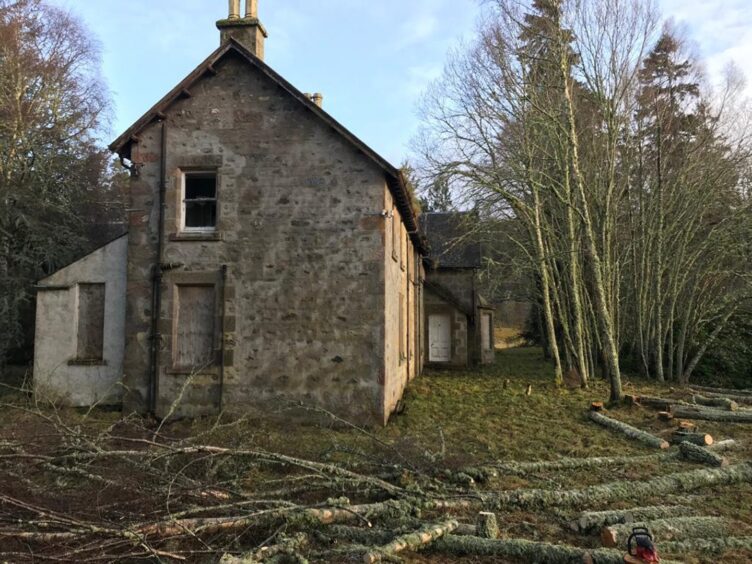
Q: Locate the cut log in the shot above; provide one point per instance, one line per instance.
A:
(523, 468)
(741, 399)
(520, 550)
(591, 520)
(664, 530)
(629, 431)
(412, 541)
(722, 403)
(285, 545)
(631, 400)
(701, 439)
(687, 426)
(736, 391)
(605, 493)
(723, 446)
(713, 414)
(486, 525)
(702, 455)
(661, 404)
(665, 415)
(596, 406)
(707, 546)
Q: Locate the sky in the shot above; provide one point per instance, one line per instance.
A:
(372, 59)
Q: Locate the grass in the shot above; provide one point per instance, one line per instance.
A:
(456, 419)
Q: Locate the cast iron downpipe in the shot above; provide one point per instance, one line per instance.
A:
(156, 306)
(223, 313)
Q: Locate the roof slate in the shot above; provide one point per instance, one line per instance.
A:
(449, 239)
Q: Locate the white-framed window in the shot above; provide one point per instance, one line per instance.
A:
(199, 197)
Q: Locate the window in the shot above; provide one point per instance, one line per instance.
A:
(199, 201)
(402, 336)
(194, 333)
(395, 233)
(403, 246)
(486, 331)
(90, 323)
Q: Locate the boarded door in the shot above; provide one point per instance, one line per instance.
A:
(194, 338)
(439, 338)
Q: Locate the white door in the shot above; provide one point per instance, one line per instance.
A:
(439, 338)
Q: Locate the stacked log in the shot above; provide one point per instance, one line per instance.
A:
(701, 439)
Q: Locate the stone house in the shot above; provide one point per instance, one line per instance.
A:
(272, 258)
(459, 322)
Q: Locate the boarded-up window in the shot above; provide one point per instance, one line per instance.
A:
(395, 233)
(403, 246)
(402, 336)
(90, 322)
(194, 326)
(486, 331)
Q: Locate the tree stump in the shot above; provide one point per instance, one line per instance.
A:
(486, 525)
(596, 406)
(665, 415)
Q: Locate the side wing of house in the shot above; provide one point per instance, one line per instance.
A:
(80, 326)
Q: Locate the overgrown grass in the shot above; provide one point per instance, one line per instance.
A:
(456, 419)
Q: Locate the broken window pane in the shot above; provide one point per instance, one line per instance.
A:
(200, 200)
(90, 322)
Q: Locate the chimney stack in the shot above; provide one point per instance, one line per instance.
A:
(318, 99)
(248, 30)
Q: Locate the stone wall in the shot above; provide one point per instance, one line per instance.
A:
(309, 302)
(57, 373)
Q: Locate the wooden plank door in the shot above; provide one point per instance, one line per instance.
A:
(439, 338)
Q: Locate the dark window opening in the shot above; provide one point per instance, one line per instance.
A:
(200, 200)
(90, 322)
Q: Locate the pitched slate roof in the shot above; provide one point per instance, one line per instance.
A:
(449, 241)
(394, 177)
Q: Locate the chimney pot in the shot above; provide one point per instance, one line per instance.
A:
(251, 8)
(318, 99)
(234, 11)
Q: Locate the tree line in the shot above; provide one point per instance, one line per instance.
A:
(58, 189)
(586, 136)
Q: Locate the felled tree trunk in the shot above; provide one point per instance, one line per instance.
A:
(666, 530)
(738, 398)
(723, 403)
(592, 520)
(661, 404)
(702, 455)
(286, 545)
(701, 439)
(412, 541)
(629, 431)
(707, 546)
(739, 392)
(724, 446)
(520, 550)
(576, 463)
(604, 493)
(713, 414)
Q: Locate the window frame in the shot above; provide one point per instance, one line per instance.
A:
(184, 174)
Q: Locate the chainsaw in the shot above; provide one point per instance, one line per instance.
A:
(640, 548)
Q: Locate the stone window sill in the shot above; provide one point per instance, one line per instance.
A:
(196, 236)
(87, 362)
